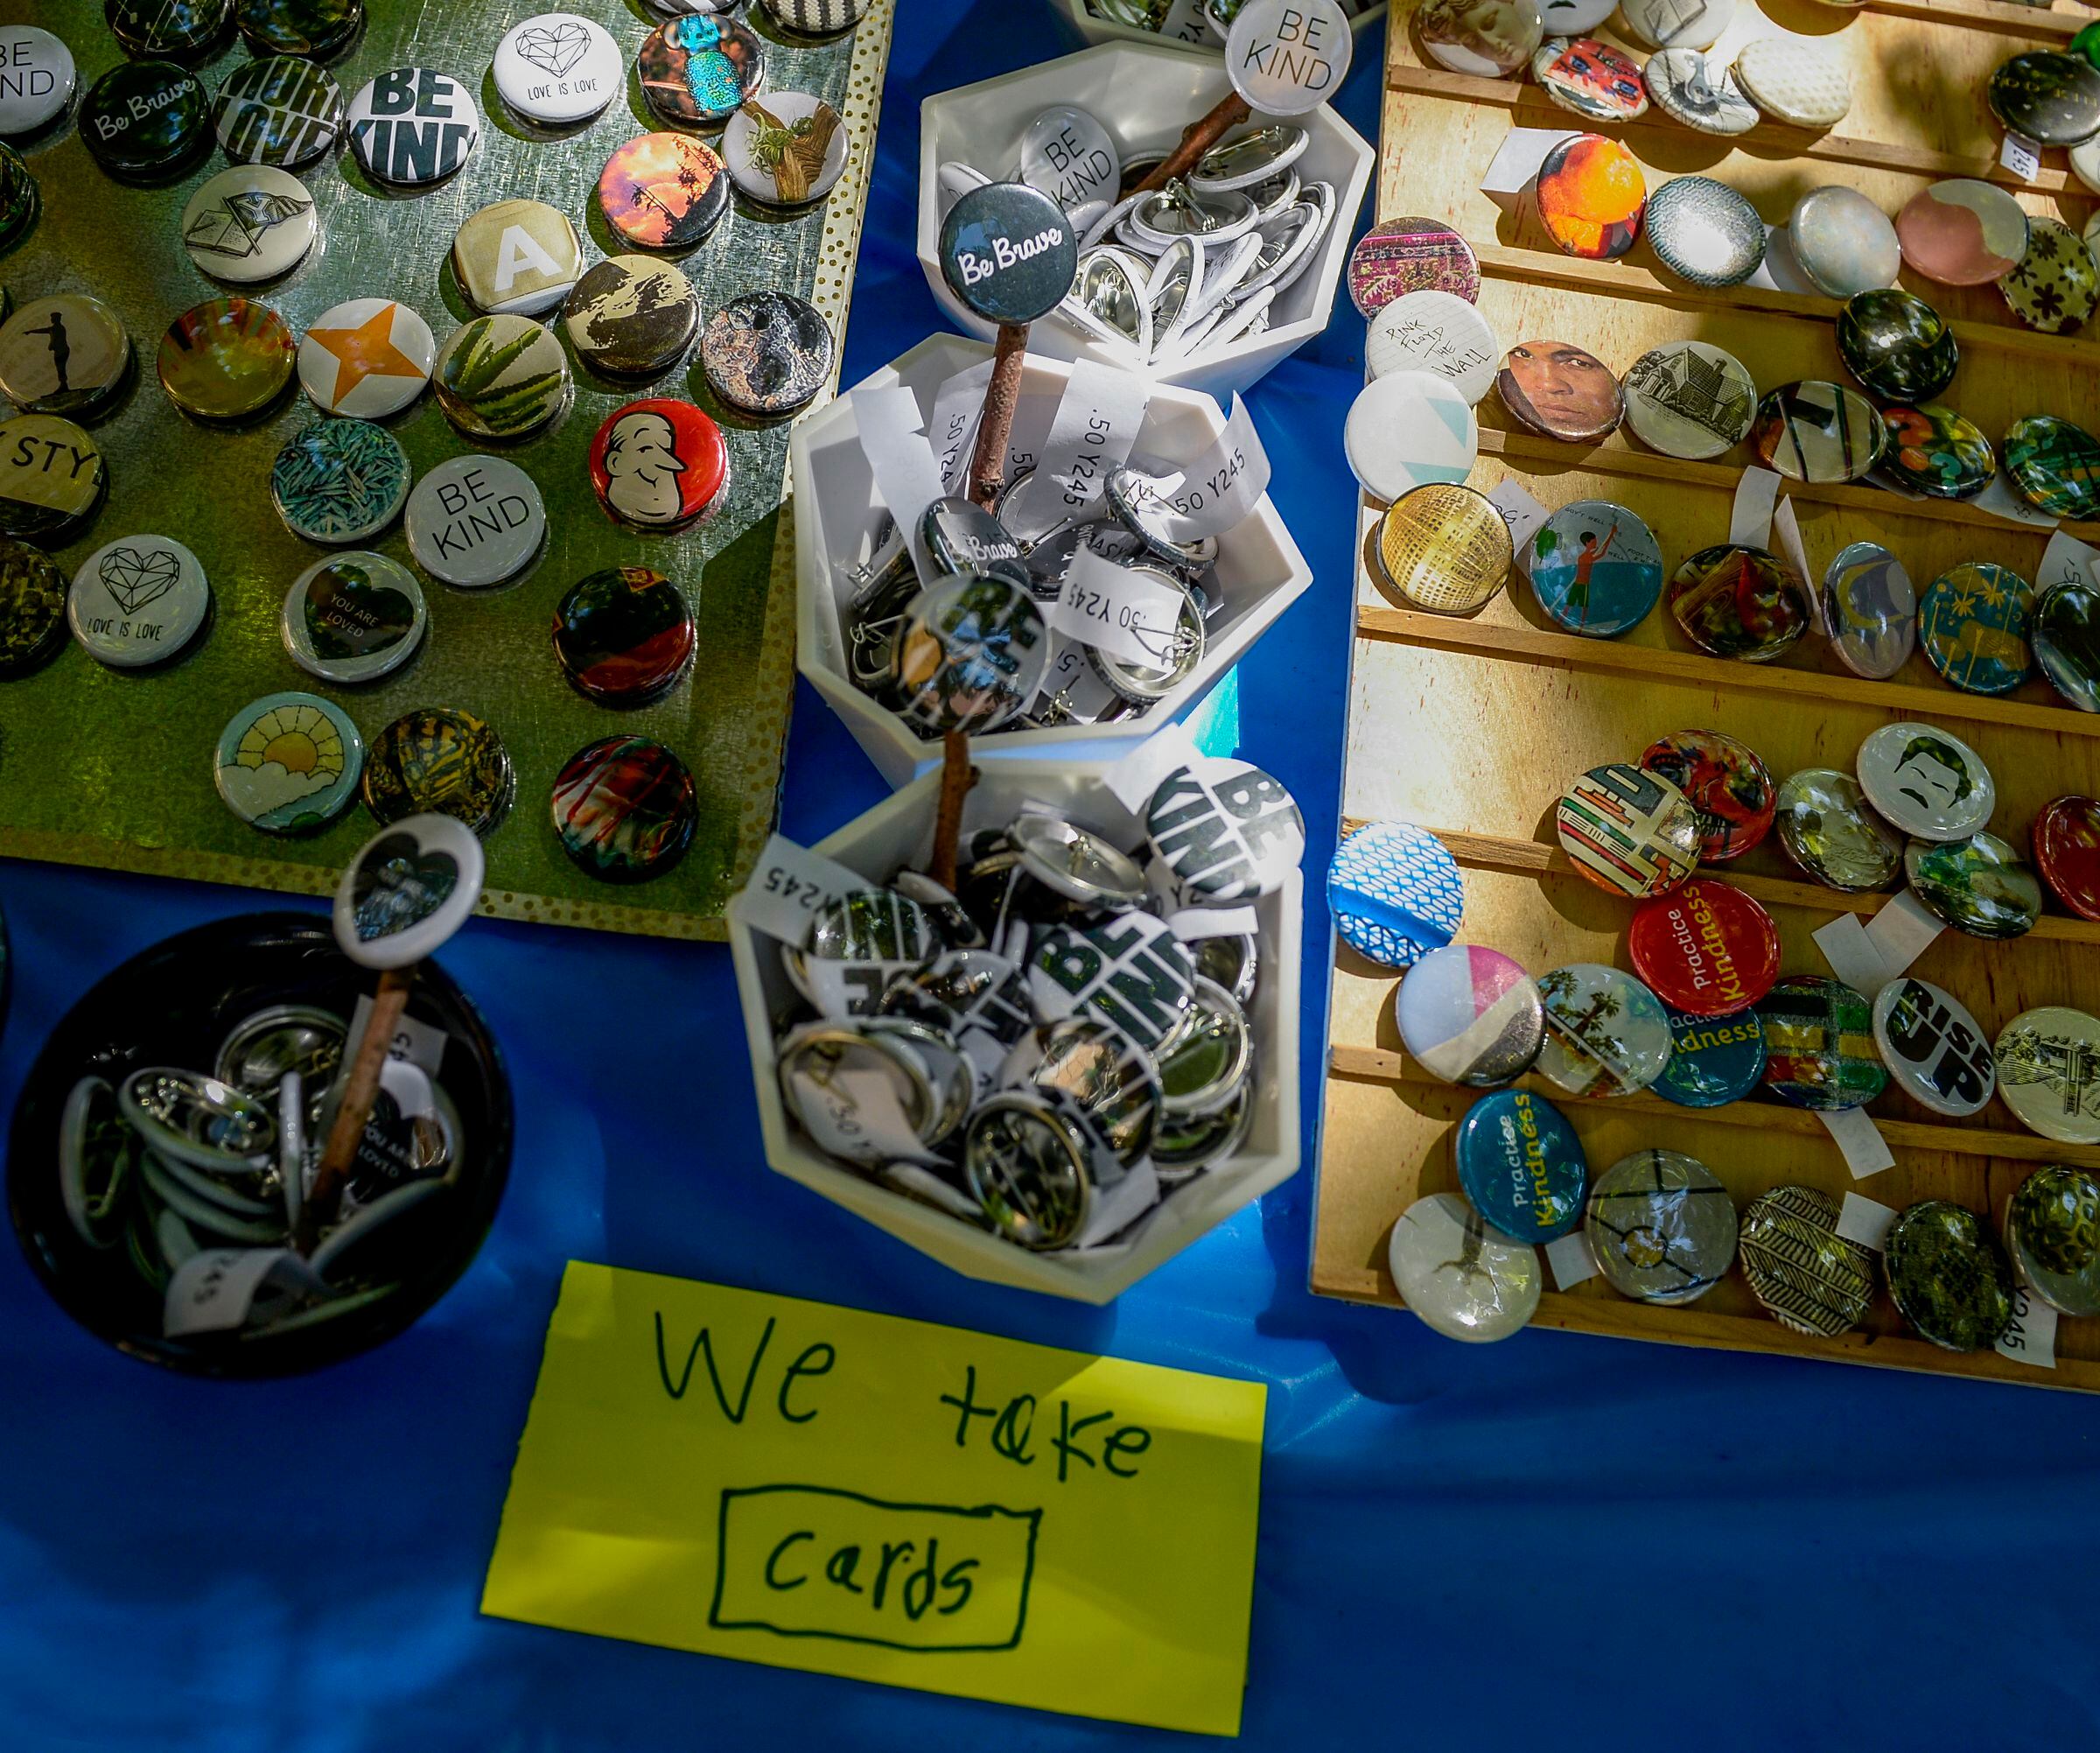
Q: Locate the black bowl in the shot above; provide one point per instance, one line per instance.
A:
(173, 1005)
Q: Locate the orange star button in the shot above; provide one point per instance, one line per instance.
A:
(366, 359)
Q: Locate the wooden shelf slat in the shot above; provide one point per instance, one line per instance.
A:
(1571, 651)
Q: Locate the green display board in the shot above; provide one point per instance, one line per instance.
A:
(110, 768)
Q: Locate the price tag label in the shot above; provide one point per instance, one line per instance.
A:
(1901, 932)
(212, 1292)
(1126, 613)
(1222, 486)
(907, 479)
(420, 1044)
(2032, 1337)
(1786, 530)
(1865, 1221)
(1514, 166)
(2021, 155)
(787, 886)
(1095, 424)
(1570, 1260)
(1756, 496)
(952, 430)
(1859, 1140)
(1520, 511)
(855, 1115)
(2066, 561)
(1074, 687)
(2001, 501)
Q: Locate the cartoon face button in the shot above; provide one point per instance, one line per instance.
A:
(1727, 784)
(1488, 39)
(1557, 388)
(278, 110)
(67, 354)
(659, 464)
(1926, 782)
(517, 258)
(339, 480)
(288, 763)
(1630, 831)
(1933, 1047)
(250, 224)
(354, 617)
(663, 191)
(695, 71)
(138, 600)
(413, 127)
(554, 70)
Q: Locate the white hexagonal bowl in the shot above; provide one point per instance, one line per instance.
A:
(897, 833)
(1260, 571)
(1144, 95)
(1088, 27)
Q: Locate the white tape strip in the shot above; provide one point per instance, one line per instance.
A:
(1851, 955)
(855, 1115)
(214, 1292)
(787, 887)
(1756, 495)
(1786, 527)
(1220, 488)
(908, 480)
(2066, 561)
(1517, 160)
(2032, 1337)
(1095, 424)
(2021, 155)
(1865, 1221)
(2001, 501)
(1901, 932)
(1569, 1259)
(1859, 1140)
(1520, 511)
(1192, 922)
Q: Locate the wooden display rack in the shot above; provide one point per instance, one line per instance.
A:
(1471, 725)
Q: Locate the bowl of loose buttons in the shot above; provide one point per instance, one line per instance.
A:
(1077, 126)
(151, 1135)
(1186, 23)
(858, 585)
(1077, 1220)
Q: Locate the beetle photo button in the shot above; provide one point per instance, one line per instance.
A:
(475, 521)
(695, 71)
(1708, 950)
(659, 464)
(1933, 1046)
(138, 600)
(146, 120)
(1008, 252)
(413, 127)
(36, 78)
(555, 70)
(438, 759)
(1521, 1165)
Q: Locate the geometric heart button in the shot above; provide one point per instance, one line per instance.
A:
(138, 600)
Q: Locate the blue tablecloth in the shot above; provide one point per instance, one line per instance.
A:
(1559, 1541)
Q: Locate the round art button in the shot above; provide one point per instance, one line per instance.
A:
(2048, 1072)
(1590, 78)
(767, 354)
(2054, 465)
(1700, 93)
(226, 359)
(177, 28)
(1926, 782)
(1628, 831)
(63, 355)
(1933, 1047)
(632, 316)
(1438, 332)
(19, 197)
(1575, 18)
(339, 480)
(137, 600)
(1408, 429)
(502, 377)
(413, 127)
(1963, 232)
(145, 120)
(354, 618)
(1401, 255)
(2066, 839)
(299, 27)
(279, 110)
(1606, 1034)
(250, 224)
(1842, 242)
(1470, 1015)
(1820, 432)
(1738, 602)
(555, 70)
(1555, 387)
(659, 464)
(1445, 547)
(2056, 284)
(1972, 624)
(442, 762)
(288, 763)
(663, 191)
(1727, 785)
(1591, 197)
(33, 609)
(1896, 345)
(517, 258)
(1008, 252)
(1462, 1279)
(1871, 607)
(37, 78)
(1806, 1275)
(1225, 831)
(623, 636)
(1713, 1060)
(1595, 568)
(475, 521)
(52, 478)
(1522, 1166)
(695, 70)
(1705, 232)
(1708, 949)
(1689, 400)
(1947, 1278)
(1677, 23)
(623, 808)
(366, 359)
(1827, 829)
(1395, 892)
(1795, 81)
(1489, 41)
(1980, 886)
(1660, 1226)
(2052, 1234)
(788, 151)
(1819, 1044)
(2051, 97)
(805, 17)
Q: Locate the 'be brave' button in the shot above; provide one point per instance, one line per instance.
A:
(475, 521)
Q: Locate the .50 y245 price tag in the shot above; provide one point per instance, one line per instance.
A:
(788, 886)
(1127, 613)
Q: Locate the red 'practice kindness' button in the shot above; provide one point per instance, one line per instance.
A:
(1708, 949)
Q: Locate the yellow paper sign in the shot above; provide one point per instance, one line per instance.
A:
(811, 1487)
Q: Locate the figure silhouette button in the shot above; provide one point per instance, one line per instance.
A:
(63, 355)
(659, 464)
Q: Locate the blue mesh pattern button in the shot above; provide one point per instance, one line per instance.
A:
(1395, 892)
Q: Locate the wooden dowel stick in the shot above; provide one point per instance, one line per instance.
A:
(957, 775)
(1196, 139)
(995, 425)
(355, 1109)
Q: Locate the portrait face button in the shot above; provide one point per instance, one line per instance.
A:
(413, 127)
(354, 618)
(502, 377)
(554, 70)
(623, 808)
(1926, 782)
(138, 600)
(280, 110)
(288, 763)
(475, 521)
(623, 636)
(339, 481)
(250, 224)
(664, 192)
(632, 316)
(67, 354)
(1556, 387)
(767, 354)
(1491, 41)
(517, 258)
(227, 359)
(366, 359)
(659, 464)
(697, 70)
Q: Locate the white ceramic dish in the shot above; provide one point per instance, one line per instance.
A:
(1144, 95)
(1260, 571)
(896, 833)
